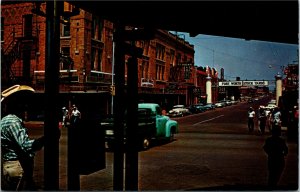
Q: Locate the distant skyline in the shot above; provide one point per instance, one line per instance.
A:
(251, 60)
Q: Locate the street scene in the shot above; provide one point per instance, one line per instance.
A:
(212, 151)
(150, 100)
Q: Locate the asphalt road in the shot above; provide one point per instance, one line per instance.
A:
(213, 151)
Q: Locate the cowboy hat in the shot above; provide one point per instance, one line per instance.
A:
(14, 89)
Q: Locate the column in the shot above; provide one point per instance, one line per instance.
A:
(278, 78)
(208, 89)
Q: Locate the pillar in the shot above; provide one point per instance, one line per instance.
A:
(278, 78)
(208, 89)
(51, 128)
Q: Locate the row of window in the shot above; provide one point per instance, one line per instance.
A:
(96, 52)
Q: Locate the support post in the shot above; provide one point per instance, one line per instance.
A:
(51, 128)
(278, 78)
(133, 140)
(208, 89)
(119, 109)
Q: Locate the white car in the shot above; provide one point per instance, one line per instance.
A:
(220, 104)
(270, 106)
(179, 110)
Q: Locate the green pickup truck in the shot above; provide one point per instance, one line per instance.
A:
(151, 125)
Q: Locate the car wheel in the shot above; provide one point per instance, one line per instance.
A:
(172, 134)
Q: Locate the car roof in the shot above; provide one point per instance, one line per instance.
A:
(178, 106)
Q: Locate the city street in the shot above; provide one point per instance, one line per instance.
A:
(213, 151)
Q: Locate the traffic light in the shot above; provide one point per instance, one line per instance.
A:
(112, 90)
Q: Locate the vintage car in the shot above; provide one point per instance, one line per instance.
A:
(178, 110)
(152, 125)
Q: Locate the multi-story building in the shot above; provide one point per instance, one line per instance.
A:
(166, 72)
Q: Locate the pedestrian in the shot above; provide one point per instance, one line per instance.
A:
(251, 115)
(276, 149)
(17, 149)
(268, 119)
(75, 115)
(65, 113)
(262, 119)
(276, 119)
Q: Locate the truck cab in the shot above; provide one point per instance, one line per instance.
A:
(151, 125)
(165, 127)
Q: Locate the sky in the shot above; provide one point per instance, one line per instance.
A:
(249, 60)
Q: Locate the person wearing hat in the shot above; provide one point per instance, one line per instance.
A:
(17, 149)
(251, 115)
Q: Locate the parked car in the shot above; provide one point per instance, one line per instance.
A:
(201, 107)
(220, 104)
(194, 109)
(178, 110)
(210, 106)
(228, 102)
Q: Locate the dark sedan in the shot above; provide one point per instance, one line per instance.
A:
(193, 109)
(210, 106)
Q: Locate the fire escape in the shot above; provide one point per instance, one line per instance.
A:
(16, 58)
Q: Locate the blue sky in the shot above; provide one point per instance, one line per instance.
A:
(251, 60)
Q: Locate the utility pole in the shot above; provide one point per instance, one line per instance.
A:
(113, 76)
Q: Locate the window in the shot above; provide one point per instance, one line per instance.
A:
(172, 57)
(160, 52)
(97, 28)
(144, 69)
(145, 46)
(65, 63)
(2, 28)
(184, 58)
(178, 58)
(27, 21)
(96, 59)
(160, 70)
(65, 30)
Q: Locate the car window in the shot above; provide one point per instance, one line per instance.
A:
(158, 111)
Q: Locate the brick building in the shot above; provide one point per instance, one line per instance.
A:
(166, 71)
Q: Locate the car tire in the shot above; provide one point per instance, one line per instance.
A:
(172, 134)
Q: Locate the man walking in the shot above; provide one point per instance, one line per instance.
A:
(251, 115)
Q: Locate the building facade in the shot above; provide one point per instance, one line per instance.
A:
(166, 71)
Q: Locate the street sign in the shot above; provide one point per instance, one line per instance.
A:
(243, 83)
